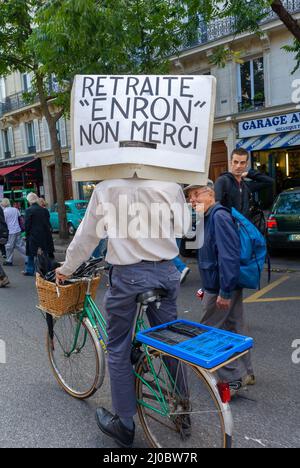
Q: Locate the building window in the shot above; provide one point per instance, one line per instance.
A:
(6, 145)
(251, 86)
(2, 90)
(26, 81)
(30, 138)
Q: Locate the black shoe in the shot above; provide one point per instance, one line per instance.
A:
(112, 426)
(235, 387)
(4, 282)
(7, 264)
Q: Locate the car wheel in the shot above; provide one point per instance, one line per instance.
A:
(71, 229)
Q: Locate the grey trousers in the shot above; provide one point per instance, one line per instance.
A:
(15, 242)
(126, 282)
(233, 321)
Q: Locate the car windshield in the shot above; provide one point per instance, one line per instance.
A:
(81, 206)
(288, 204)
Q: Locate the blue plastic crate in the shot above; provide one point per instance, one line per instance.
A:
(208, 347)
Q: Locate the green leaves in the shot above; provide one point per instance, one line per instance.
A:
(69, 37)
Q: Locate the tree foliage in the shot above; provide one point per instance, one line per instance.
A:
(245, 16)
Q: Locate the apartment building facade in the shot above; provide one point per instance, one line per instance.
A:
(26, 157)
(255, 109)
(256, 100)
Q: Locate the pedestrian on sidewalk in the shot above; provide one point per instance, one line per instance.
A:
(15, 241)
(219, 265)
(38, 233)
(43, 203)
(3, 239)
(234, 189)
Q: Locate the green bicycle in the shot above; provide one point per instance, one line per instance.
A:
(179, 404)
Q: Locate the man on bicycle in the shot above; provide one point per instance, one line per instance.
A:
(155, 213)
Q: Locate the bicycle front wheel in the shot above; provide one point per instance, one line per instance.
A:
(78, 364)
(178, 407)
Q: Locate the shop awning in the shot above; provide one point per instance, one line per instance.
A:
(268, 142)
(8, 170)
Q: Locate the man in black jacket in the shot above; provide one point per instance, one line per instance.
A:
(233, 191)
(3, 236)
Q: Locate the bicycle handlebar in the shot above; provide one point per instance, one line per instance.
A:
(87, 278)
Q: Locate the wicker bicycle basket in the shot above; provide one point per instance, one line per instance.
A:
(63, 300)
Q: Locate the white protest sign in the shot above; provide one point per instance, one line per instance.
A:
(163, 122)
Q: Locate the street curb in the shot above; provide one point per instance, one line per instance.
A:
(284, 270)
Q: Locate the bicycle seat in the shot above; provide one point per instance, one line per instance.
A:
(154, 295)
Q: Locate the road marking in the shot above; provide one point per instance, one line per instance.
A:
(258, 297)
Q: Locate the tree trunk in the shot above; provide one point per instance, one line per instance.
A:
(59, 180)
(59, 184)
(287, 19)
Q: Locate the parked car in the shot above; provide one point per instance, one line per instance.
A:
(75, 213)
(283, 225)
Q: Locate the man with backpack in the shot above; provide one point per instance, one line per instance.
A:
(220, 268)
(3, 240)
(234, 189)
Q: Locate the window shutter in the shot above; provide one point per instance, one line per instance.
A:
(37, 135)
(239, 83)
(62, 132)
(2, 89)
(23, 138)
(11, 142)
(29, 81)
(1, 146)
(47, 140)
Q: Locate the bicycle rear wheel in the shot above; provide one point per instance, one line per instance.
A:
(80, 372)
(179, 407)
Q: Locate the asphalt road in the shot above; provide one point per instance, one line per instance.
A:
(36, 413)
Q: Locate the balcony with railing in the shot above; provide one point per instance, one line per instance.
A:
(217, 29)
(15, 102)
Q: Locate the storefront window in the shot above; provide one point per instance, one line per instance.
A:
(281, 164)
(86, 189)
(30, 138)
(251, 88)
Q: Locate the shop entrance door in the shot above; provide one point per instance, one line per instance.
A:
(219, 160)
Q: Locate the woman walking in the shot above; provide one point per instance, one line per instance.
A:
(38, 233)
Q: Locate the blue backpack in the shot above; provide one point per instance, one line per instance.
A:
(253, 251)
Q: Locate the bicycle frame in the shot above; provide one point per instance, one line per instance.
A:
(99, 324)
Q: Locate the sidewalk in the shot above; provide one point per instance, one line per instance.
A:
(61, 245)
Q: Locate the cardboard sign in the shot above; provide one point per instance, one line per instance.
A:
(157, 127)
